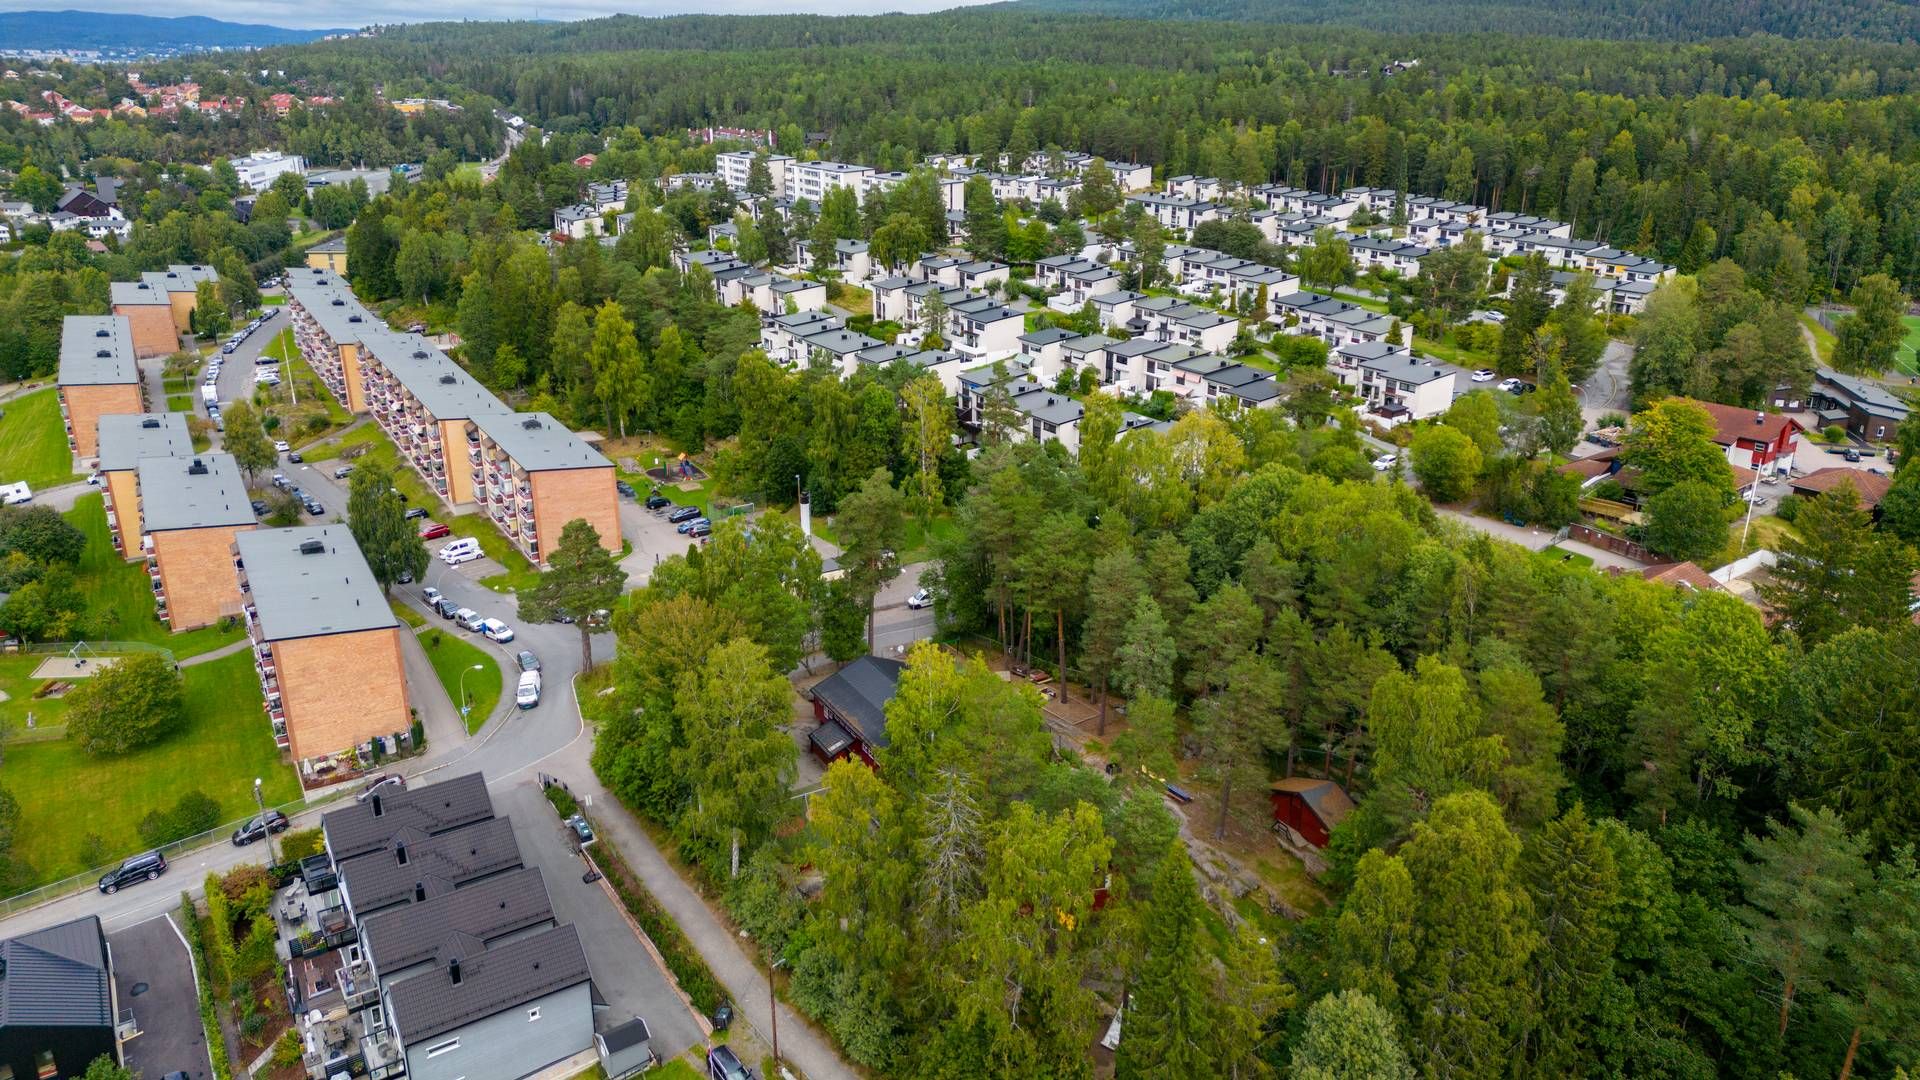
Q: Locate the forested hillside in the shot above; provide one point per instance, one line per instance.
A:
(1870, 20)
(1809, 149)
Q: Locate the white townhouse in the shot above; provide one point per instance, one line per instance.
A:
(1375, 200)
(1205, 379)
(695, 181)
(1372, 252)
(1337, 322)
(982, 328)
(1116, 309)
(944, 364)
(1178, 322)
(1202, 272)
(1287, 200)
(890, 298)
(1400, 386)
(1178, 214)
(811, 180)
(784, 337)
(609, 195)
(1050, 351)
(577, 222)
(837, 349)
(1199, 188)
(1074, 281)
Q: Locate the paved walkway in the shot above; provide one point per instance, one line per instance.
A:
(802, 1048)
(1535, 539)
(216, 654)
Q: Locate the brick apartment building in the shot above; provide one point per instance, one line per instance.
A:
(190, 511)
(174, 290)
(328, 323)
(325, 643)
(534, 476)
(126, 439)
(98, 377)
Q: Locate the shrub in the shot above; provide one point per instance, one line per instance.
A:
(300, 843)
(195, 813)
(1788, 509)
(287, 1049)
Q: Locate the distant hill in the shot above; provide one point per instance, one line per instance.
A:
(102, 30)
(1870, 20)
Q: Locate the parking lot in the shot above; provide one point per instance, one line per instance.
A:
(154, 977)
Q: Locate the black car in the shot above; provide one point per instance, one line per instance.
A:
(145, 866)
(295, 457)
(447, 608)
(656, 500)
(623, 488)
(528, 661)
(257, 828)
(415, 512)
(259, 506)
(724, 1064)
(314, 508)
(685, 513)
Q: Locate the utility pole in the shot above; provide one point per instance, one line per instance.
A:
(259, 800)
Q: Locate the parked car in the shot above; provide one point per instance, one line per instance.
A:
(295, 457)
(495, 630)
(279, 480)
(1852, 454)
(447, 608)
(1483, 375)
(343, 472)
(527, 694)
(1385, 462)
(431, 595)
(259, 827)
(1511, 386)
(685, 513)
(624, 488)
(228, 348)
(687, 525)
(145, 866)
(920, 599)
(528, 661)
(259, 506)
(700, 529)
(314, 507)
(415, 512)
(281, 445)
(723, 1064)
(658, 501)
(434, 530)
(469, 619)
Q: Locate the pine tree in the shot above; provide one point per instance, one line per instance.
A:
(1798, 885)
(1168, 1030)
(1569, 872)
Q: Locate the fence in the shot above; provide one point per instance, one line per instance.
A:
(91, 878)
(1608, 542)
(95, 648)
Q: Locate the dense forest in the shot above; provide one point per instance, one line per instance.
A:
(1636, 143)
(1870, 20)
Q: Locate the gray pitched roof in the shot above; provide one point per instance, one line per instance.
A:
(97, 350)
(56, 977)
(484, 911)
(192, 493)
(434, 808)
(309, 581)
(860, 691)
(438, 864)
(497, 979)
(125, 438)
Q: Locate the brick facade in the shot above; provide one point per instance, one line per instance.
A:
(460, 485)
(196, 573)
(340, 690)
(335, 261)
(123, 487)
(154, 333)
(86, 404)
(350, 374)
(183, 304)
(560, 495)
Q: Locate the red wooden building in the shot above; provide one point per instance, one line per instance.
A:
(1310, 807)
(851, 706)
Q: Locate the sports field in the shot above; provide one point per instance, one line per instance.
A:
(1906, 360)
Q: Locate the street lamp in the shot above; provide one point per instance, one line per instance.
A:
(464, 707)
(773, 1006)
(259, 799)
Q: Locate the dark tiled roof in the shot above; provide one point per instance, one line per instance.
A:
(1324, 797)
(483, 911)
(435, 865)
(859, 694)
(492, 981)
(435, 808)
(56, 977)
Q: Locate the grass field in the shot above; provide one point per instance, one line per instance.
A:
(1822, 338)
(33, 441)
(225, 744)
(118, 595)
(1906, 359)
(405, 613)
(451, 655)
(179, 402)
(333, 448)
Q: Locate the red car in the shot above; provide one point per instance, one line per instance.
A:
(434, 530)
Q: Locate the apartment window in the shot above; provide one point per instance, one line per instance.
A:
(447, 1047)
(533, 1014)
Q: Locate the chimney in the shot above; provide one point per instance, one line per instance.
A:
(453, 970)
(376, 804)
(1759, 416)
(400, 852)
(419, 891)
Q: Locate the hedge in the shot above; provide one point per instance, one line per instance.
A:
(209, 1016)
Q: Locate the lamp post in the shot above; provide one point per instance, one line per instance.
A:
(464, 707)
(260, 800)
(773, 1006)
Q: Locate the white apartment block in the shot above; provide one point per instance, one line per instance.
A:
(258, 169)
(811, 180)
(736, 166)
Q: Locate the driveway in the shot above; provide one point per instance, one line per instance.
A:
(623, 969)
(155, 979)
(1610, 388)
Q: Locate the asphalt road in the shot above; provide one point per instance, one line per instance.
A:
(155, 977)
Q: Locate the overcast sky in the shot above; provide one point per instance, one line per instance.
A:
(351, 13)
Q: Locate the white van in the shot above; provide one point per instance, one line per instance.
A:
(528, 693)
(495, 630)
(465, 549)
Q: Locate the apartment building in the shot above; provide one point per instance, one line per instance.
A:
(1162, 318)
(691, 181)
(532, 475)
(1396, 384)
(98, 377)
(328, 323)
(580, 221)
(609, 195)
(259, 169)
(125, 440)
(1218, 382)
(784, 337)
(1376, 253)
(1180, 215)
(770, 293)
(811, 180)
(735, 168)
(459, 966)
(313, 612)
(1201, 272)
(1337, 322)
(149, 316)
(981, 328)
(329, 255)
(190, 511)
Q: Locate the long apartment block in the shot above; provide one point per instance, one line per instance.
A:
(525, 471)
(98, 377)
(325, 644)
(125, 440)
(190, 511)
(160, 305)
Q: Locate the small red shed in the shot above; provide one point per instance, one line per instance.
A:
(1310, 807)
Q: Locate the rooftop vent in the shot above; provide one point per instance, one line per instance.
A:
(446, 380)
(1759, 417)
(101, 333)
(376, 804)
(354, 318)
(312, 547)
(150, 422)
(198, 468)
(419, 354)
(337, 302)
(400, 852)
(103, 352)
(419, 891)
(453, 971)
(530, 424)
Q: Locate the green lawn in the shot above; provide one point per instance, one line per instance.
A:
(916, 546)
(272, 301)
(33, 441)
(450, 655)
(17, 682)
(1906, 359)
(179, 402)
(181, 385)
(226, 744)
(405, 613)
(337, 447)
(118, 595)
(1822, 338)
